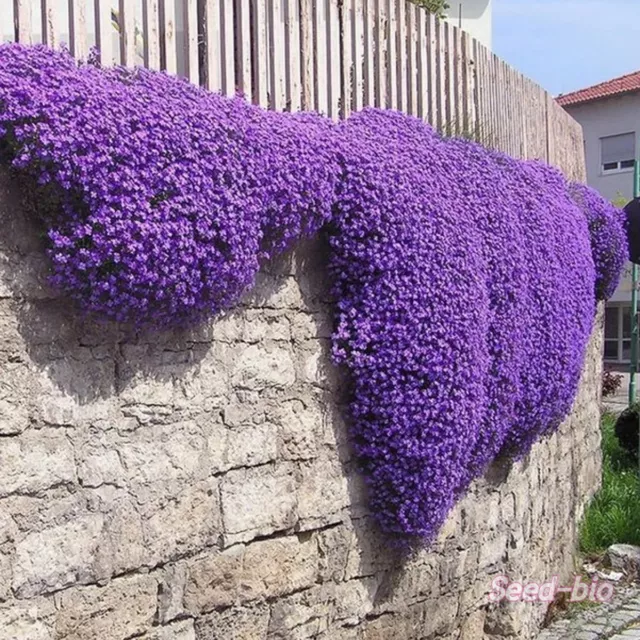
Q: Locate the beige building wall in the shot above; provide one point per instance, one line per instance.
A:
(599, 119)
(475, 17)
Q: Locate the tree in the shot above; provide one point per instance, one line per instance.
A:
(437, 7)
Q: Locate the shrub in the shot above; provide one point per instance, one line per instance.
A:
(626, 430)
(464, 280)
(611, 382)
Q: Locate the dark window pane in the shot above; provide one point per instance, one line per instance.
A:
(609, 166)
(626, 322)
(611, 323)
(626, 349)
(611, 349)
(627, 164)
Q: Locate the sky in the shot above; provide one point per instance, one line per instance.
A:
(566, 45)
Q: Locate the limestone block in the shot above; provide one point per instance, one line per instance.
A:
(213, 581)
(277, 567)
(252, 445)
(323, 493)
(299, 424)
(27, 620)
(302, 615)
(184, 525)
(258, 501)
(235, 623)
(58, 556)
(35, 461)
(123, 608)
(259, 367)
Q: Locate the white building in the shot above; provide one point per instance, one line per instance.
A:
(475, 17)
(610, 117)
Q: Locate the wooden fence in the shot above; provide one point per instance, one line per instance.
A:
(331, 56)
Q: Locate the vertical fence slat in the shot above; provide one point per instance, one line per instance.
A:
(190, 53)
(368, 26)
(369, 52)
(412, 58)
(468, 84)
(380, 35)
(259, 54)
(213, 45)
(276, 55)
(441, 78)
(308, 54)
(293, 92)
(127, 24)
(495, 102)
(482, 89)
(449, 78)
(358, 53)
(514, 121)
(459, 114)
(506, 106)
(228, 49)
(22, 21)
(500, 105)
(49, 23)
(150, 26)
(347, 61)
(485, 84)
(392, 69)
(102, 12)
(151, 35)
(432, 69)
(320, 28)
(168, 34)
(333, 49)
(401, 53)
(77, 28)
(243, 47)
(422, 66)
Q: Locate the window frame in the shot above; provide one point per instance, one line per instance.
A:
(618, 168)
(621, 309)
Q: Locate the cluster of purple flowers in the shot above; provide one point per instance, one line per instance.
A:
(607, 230)
(465, 281)
(465, 288)
(169, 196)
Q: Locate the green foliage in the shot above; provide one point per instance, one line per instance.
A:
(614, 515)
(620, 201)
(437, 7)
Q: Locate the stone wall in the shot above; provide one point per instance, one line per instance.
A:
(199, 484)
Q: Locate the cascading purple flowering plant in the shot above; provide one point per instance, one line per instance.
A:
(465, 280)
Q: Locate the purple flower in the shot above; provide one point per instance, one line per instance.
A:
(465, 281)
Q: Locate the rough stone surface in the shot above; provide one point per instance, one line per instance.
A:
(625, 558)
(198, 485)
(618, 619)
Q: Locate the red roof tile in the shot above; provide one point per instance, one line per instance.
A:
(616, 87)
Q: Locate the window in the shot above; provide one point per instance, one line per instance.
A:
(618, 152)
(617, 333)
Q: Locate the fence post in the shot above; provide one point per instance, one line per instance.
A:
(77, 28)
(49, 23)
(22, 21)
